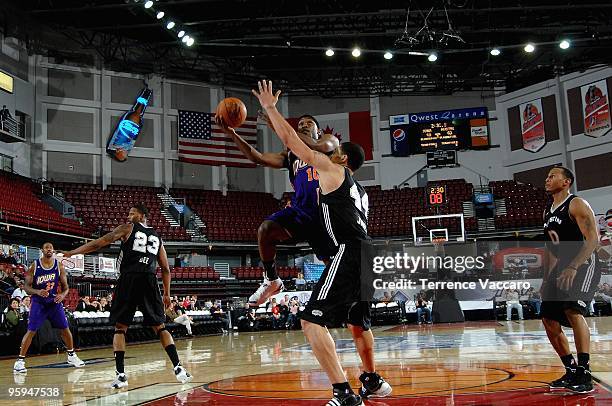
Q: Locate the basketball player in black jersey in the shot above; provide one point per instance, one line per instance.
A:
(337, 296)
(571, 278)
(141, 250)
(296, 222)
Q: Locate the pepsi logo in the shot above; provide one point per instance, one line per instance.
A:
(399, 135)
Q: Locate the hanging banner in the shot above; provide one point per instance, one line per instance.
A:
(596, 108)
(106, 264)
(532, 125)
(74, 263)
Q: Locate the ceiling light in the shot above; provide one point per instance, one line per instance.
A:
(529, 48)
(170, 25)
(432, 57)
(181, 33)
(495, 52)
(190, 42)
(388, 55)
(185, 38)
(329, 52)
(356, 52)
(148, 4)
(564, 44)
(160, 15)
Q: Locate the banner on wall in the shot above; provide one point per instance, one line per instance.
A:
(532, 125)
(596, 108)
(106, 264)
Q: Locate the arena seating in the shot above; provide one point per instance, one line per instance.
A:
(255, 273)
(525, 204)
(109, 208)
(196, 273)
(391, 210)
(234, 217)
(20, 204)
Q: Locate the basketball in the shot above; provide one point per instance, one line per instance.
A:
(232, 111)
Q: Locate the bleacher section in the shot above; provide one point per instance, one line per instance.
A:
(20, 204)
(195, 273)
(256, 272)
(109, 208)
(234, 217)
(391, 210)
(525, 204)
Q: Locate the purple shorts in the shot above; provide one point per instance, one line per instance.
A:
(54, 312)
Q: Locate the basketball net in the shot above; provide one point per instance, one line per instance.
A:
(438, 244)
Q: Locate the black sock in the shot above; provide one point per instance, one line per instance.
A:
(583, 360)
(119, 355)
(22, 357)
(70, 352)
(270, 270)
(171, 351)
(342, 389)
(568, 361)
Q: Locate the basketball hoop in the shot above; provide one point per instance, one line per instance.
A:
(438, 244)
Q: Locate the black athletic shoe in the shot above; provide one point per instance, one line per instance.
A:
(562, 382)
(374, 386)
(350, 400)
(582, 382)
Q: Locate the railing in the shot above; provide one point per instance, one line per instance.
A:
(13, 127)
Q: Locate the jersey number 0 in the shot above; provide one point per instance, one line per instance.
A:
(144, 244)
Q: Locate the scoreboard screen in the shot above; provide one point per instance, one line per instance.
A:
(449, 130)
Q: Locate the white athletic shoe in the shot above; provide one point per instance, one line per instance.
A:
(375, 387)
(75, 361)
(182, 375)
(119, 382)
(266, 290)
(19, 367)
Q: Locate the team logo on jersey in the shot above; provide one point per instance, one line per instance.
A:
(317, 313)
(45, 278)
(399, 135)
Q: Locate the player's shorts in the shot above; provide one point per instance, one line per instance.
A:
(41, 311)
(305, 227)
(339, 295)
(137, 291)
(555, 301)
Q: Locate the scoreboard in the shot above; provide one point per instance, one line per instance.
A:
(449, 130)
(436, 195)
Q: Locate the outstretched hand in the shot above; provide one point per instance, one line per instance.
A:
(265, 95)
(226, 129)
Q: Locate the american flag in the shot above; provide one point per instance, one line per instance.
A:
(201, 140)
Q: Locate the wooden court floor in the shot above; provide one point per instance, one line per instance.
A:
(485, 363)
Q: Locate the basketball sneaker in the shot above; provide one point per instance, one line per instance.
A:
(120, 381)
(266, 290)
(562, 382)
(373, 385)
(182, 375)
(19, 367)
(582, 381)
(75, 361)
(350, 400)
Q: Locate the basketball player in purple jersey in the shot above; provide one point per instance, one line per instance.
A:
(47, 284)
(299, 221)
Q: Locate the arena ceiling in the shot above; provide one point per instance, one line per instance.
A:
(239, 41)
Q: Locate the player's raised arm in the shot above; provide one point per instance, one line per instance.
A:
(117, 234)
(286, 133)
(269, 159)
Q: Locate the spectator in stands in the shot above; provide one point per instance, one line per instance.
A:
(276, 316)
(534, 299)
(186, 305)
(271, 304)
(5, 114)
(217, 312)
(283, 310)
(95, 304)
(24, 309)
(12, 259)
(193, 304)
(422, 306)
(386, 297)
(177, 316)
(84, 305)
(246, 321)
(300, 282)
(104, 305)
(19, 292)
(604, 294)
(12, 316)
(292, 319)
(513, 302)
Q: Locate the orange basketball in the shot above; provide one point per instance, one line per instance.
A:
(232, 111)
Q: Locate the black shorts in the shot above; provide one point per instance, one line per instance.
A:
(305, 227)
(556, 301)
(137, 291)
(340, 295)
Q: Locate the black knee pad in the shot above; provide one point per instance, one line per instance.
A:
(160, 331)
